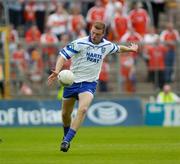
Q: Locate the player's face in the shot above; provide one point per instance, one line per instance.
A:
(96, 35)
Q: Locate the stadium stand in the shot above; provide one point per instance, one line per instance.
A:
(24, 16)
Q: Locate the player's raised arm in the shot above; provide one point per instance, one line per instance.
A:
(59, 65)
(132, 48)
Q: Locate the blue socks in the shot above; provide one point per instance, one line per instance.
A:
(66, 129)
(70, 135)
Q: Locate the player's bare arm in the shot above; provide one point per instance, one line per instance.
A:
(132, 48)
(59, 65)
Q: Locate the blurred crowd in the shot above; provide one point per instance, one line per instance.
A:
(38, 29)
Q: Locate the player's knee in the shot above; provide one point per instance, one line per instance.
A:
(83, 110)
(65, 114)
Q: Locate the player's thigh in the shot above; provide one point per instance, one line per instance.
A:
(68, 105)
(85, 99)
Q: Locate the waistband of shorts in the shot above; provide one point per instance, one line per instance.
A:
(86, 82)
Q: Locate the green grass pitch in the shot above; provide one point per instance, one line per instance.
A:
(92, 145)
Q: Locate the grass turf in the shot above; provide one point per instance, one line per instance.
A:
(92, 145)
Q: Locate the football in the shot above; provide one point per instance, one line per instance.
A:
(65, 77)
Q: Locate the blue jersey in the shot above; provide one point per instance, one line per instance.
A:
(87, 57)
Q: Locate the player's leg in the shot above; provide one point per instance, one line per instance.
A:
(67, 108)
(85, 100)
(85, 95)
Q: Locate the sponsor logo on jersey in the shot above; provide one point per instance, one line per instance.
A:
(93, 57)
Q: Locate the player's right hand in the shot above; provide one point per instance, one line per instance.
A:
(52, 77)
(133, 47)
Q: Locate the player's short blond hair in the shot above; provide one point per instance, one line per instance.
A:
(99, 25)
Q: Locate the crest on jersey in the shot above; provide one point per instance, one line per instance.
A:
(103, 49)
(71, 45)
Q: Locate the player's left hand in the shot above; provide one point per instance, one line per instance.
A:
(133, 47)
(52, 77)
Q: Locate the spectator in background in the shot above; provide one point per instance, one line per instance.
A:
(58, 21)
(167, 96)
(128, 73)
(109, 11)
(132, 37)
(49, 39)
(79, 33)
(104, 76)
(20, 70)
(40, 15)
(21, 58)
(149, 39)
(64, 40)
(105, 2)
(49, 48)
(29, 14)
(13, 38)
(51, 62)
(16, 12)
(139, 18)
(96, 13)
(76, 22)
(128, 61)
(151, 36)
(170, 36)
(19, 67)
(33, 35)
(108, 17)
(156, 53)
(119, 23)
(36, 67)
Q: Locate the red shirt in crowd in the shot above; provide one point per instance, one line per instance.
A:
(156, 57)
(19, 61)
(139, 20)
(127, 62)
(95, 14)
(119, 26)
(75, 21)
(33, 35)
(170, 36)
(104, 74)
(29, 13)
(131, 37)
(49, 38)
